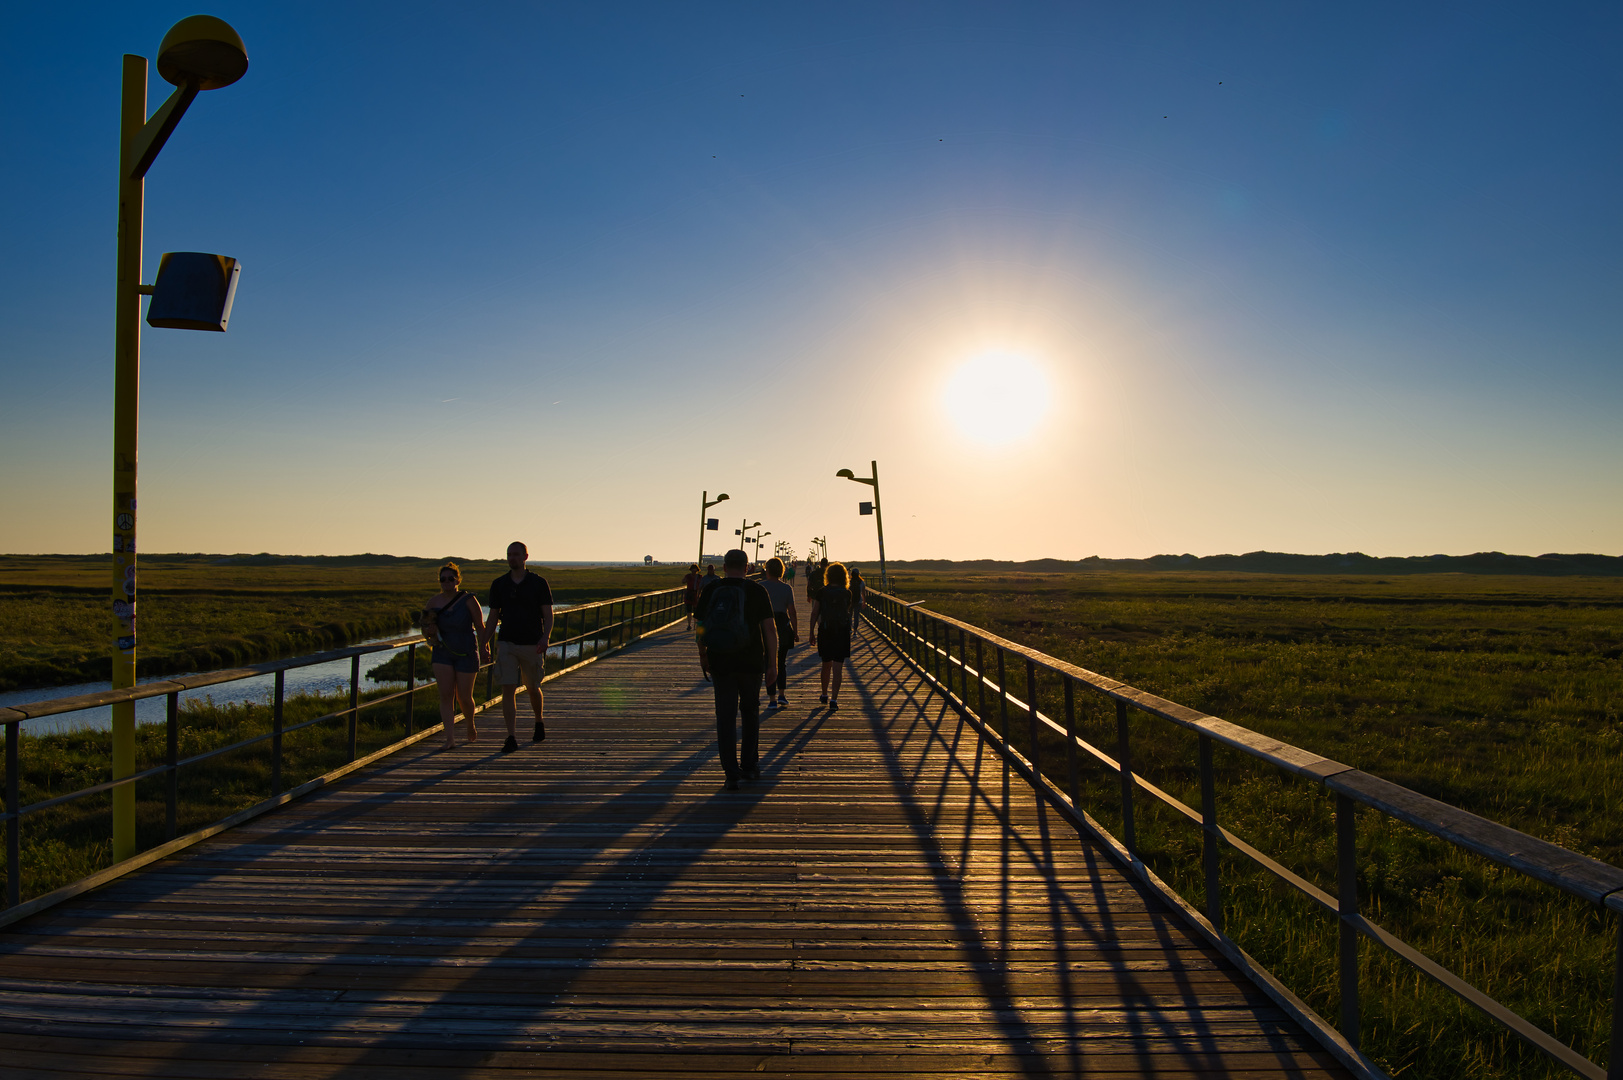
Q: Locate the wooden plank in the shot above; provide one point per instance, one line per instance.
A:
(881, 904)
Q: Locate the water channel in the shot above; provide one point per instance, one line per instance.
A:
(328, 678)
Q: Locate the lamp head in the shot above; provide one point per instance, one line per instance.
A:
(722, 497)
(204, 50)
(847, 474)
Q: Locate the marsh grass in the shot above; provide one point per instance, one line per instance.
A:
(204, 612)
(1502, 699)
(65, 843)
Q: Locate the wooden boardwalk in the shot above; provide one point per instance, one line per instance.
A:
(886, 901)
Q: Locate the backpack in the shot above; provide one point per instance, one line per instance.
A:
(837, 621)
(723, 628)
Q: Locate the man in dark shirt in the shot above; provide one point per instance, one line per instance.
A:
(736, 672)
(522, 603)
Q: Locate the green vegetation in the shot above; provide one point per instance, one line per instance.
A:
(1496, 694)
(67, 842)
(202, 612)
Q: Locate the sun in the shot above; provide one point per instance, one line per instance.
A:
(997, 397)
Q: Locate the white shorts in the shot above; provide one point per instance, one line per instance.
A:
(516, 664)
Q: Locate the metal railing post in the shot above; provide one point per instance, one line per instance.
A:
(1211, 837)
(1124, 758)
(14, 824)
(354, 701)
(1002, 699)
(980, 679)
(1072, 766)
(1347, 908)
(171, 758)
(1031, 710)
(276, 735)
(411, 689)
(1614, 1066)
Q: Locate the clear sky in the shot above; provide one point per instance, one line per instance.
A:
(1112, 279)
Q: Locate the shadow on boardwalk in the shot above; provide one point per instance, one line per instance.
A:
(888, 900)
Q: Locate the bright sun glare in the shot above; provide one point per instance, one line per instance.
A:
(996, 397)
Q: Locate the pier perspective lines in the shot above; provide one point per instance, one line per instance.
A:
(889, 899)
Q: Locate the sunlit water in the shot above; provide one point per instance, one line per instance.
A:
(328, 678)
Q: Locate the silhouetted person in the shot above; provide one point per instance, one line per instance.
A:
(738, 640)
(831, 629)
(522, 603)
(454, 624)
(787, 621)
(690, 591)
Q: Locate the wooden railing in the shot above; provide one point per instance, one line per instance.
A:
(969, 667)
(598, 628)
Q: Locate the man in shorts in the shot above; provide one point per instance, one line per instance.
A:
(739, 611)
(522, 603)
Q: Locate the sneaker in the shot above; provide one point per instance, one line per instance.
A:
(540, 732)
(833, 705)
(752, 773)
(783, 702)
(823, 700)
(732, 783)
(510, 745)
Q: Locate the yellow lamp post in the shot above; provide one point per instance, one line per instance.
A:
(705, 503)
(199, 53)
(878, 517)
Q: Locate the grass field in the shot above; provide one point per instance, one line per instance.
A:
(201, 612)
(1500, 695)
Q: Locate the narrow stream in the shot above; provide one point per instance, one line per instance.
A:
(328, 678)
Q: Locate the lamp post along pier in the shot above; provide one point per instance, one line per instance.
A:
(198, 53)
(705, 503)
(874, 508)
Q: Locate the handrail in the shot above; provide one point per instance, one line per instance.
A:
(914, 630)
(616, 622)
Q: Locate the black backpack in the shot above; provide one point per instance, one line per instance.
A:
(724, 628)
(838, 621)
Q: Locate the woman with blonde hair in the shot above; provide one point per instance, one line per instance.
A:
(454, 624)
(831, 629)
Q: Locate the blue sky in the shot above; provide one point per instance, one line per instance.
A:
(1299, 278)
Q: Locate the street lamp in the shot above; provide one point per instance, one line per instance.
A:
(739, 532)
(758, 538)
(194, 291)
(872, 508)
(705, 503)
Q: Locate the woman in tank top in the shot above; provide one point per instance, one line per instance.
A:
(453, 622)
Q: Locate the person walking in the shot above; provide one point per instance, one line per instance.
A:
(859, 597)
(455, 626)
(738, 640)
(789, 572)
(709, 576)
(831, 629)
(814, 579)
(690, 591)
(521, 602)
(787, 621)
